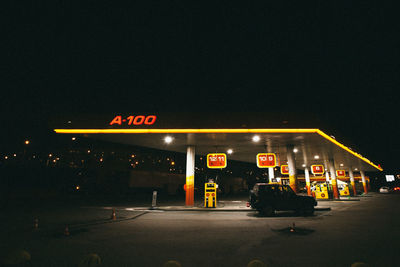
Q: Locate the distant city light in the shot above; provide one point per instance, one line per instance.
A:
(50, 155)
(73, 138)
(77, 187)
(172, 162)
(168, 139)
(6, 157)
(256, 138)
(229, 151)
(88, 151)
(14, 155)
(26, 142)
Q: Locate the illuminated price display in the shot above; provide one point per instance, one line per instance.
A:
(216, 161)
(340, 173)
(266, 160)
(134, 120)
(285, 169)
(317, 169)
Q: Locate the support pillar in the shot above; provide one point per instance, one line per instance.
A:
(190, 157)
(327, 175)
(364, 182)
(292, 168)
(353, 184)
(333, 179)
(271, 174)
(307, 176)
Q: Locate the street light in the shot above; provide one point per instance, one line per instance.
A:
(168, 139)
(256, 138)
(229, 151)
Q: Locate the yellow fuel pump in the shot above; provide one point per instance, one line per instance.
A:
(321, 191)
(344, 190)
(210, 195)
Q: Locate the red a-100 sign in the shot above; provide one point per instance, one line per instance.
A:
(135, 120)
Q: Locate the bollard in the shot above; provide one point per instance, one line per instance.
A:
(66, 231)
(292, 228)
(154, 200)
(113, 216)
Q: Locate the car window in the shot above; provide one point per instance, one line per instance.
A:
(287, 190)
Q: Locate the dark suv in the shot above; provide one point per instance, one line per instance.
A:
(267, 198)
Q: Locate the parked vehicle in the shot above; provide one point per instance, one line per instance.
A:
(268, 198)
(384, 190)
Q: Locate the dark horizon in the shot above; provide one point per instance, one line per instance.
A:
(336, 61)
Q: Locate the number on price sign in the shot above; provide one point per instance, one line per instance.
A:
(216, 161)
(285, 169)
(317, 169)
(340, 173)
(266, 160)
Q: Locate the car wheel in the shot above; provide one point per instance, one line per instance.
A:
(308, 211)
(267, 211)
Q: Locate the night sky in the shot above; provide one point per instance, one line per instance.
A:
(339, 61)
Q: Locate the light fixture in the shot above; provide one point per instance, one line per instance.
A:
(316, 157)
(229, 151)
(304, 165)
(256, 138)
(341, 165)
(356, 169)
(295, 150)
(168, 139)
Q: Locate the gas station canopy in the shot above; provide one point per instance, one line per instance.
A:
(245, 135)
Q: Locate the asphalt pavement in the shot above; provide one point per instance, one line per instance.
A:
(339, 234)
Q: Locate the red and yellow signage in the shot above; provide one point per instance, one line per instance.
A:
(216, 160)
(317, 169)
(340, 173)
(266, 160)
(284, 169)
(134, 120)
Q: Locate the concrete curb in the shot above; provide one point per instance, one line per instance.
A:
(218, 209)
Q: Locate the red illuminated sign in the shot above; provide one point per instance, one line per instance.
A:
(317, 169)
(134, 120)
(340, 173)
(266, 160)
(285, 169)
(216, 161)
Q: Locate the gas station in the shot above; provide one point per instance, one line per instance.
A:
(274, 142)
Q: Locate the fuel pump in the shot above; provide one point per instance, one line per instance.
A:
(210, 195)
(344, 189)
(321, 191)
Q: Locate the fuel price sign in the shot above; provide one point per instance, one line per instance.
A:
(340, 173)
(285, 169)
(317, 169)
(216, 161)
(266, 160)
